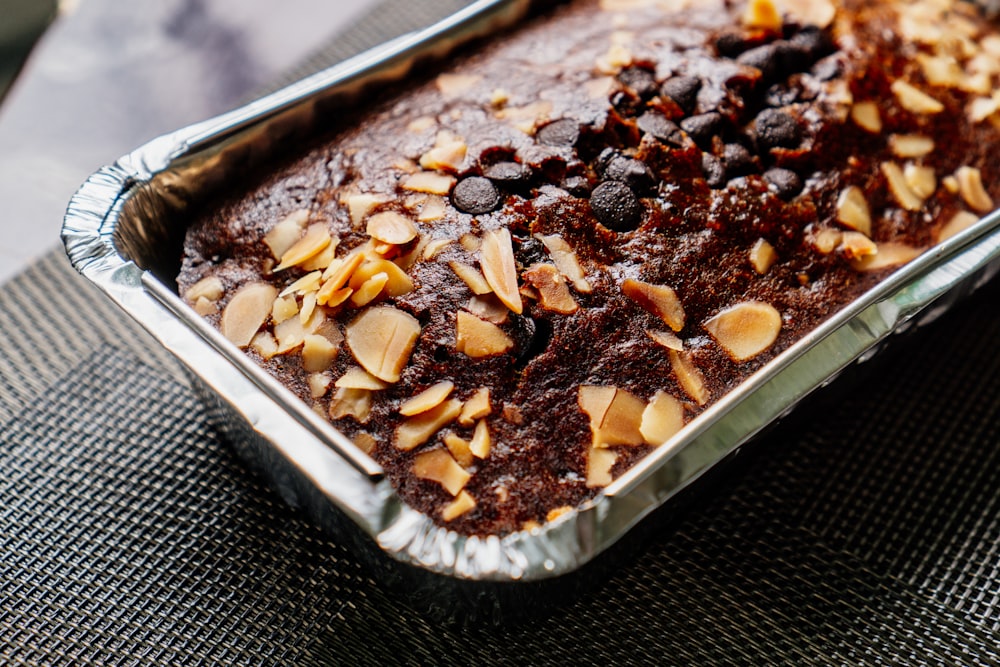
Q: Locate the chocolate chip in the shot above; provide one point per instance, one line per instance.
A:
(625, 103)
(507, 174)
(703, 127)
(657, 126)
(683, 90)
(640, 80)
(783, 182)
(777, 128)
(475, 195)
(766, 58)
(564, 132)
(633, 173)
(813, 43)
(715, 173)
(578, 186)
(737, 160)
(616, 207)
(730, 44)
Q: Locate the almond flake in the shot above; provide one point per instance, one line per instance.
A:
(365, 442)
(552, 289)
(429, 398)
(866, 116)
(659, 300)
(500, 269)
(382, 339)
(941, 70)
(689, 377)
(853, 211)
(397, 282)
(826, 240)
(264, 344)
(335, 283)
(459, 449)
(453, 85)
(284, 234)
(391, 227)
(488, 307)
(970, 185)
(958, 223)
(600, 461)
(432, 209)
(762, 14)
(430, 182)
(462, 504)
(308, 307)
(615, 415)
(921, 179)
(369, 289)
(566, 261)
(904, 196)
(359, 378)
(420, 428)
(950, 184)
(338, 297)
(319, 384)
(246, 312)
(316, 239)
(447, 155)
(667, 339)
(205, 307)
(911, 145)
(210, 288)
(887, 255)
(317, 353)
(434, 247)
(915, 100)
(470, 242)
(662, 418)
(856, 245)
(421, 124)
(292, 332)
(322, 260)
(355, 403)
(476, 407)
(480, 443)
(437, 465)
(762, 256)
(746, 329)
(819, 13)
(471, 277)
(360, 205)
(283, 308)
(477, 338)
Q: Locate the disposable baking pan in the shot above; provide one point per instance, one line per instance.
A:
(124, 229)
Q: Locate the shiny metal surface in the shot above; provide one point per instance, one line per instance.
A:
(121, 220)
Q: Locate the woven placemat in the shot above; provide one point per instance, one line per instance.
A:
(864, 530)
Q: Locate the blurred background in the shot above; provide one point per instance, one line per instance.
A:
(23, 21)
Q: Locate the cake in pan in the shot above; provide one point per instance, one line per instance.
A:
(514, 276)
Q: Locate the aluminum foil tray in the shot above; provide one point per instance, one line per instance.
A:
(124, 229)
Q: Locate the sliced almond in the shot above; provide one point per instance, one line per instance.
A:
(391, 227)
(459, 448)
(667, 339)
(762, 14)
(819, 13)
(360, 205)
(826, 240)
(205, 307)
(246, 312)
(915, 100)
(615, 415)
(322, 260)
(566, 261)
(452, 85)
(355, 403)
(600, 461)
(365, 442)
(911, 145)
(476, 407)
(856, 245)
(958, 223)
(308, 307)
(500, 269)
(659, 300)
(430, 182)
(421, 124)
(480, 443)
(447, 155)
(950, 184)
(941, 70)
(866, 116)
(488, 307)
(552, 289)
(477, 338)
(471, 277)
(900, 190)
(284, 234)
(429, 398)
(381, 340)
(462, 504)
(292, 332)
(283, 308)
(970, 185)
(434, 247)
(397, 282)
(432, 209)
(334, 285)
(307, 283)
(762, 256)
(887, 255)
(689, 377)
(209, 288)
(369, 289)
(359, 378)
(420, 428)
(264, 344)
(437, 465)
(319, 384)
(470, 242)
(662, 418)
(746, 329)
(853, 211)
(317, 353)
(921, 179)
(316, 239)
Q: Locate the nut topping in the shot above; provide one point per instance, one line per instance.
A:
(462, 504)
(459, 449)
(480, 443)
(209, 288)
(921, 179)
(391, 227)
(360, 205)
(246, 312)
(904, 196)
(430, 182)
(762, 256)
(471, 277)
(447, 155)
(689, 377)
(852, 210)
(355, 403)
(397, 282)
(762, 14)
(615, 415)
(888, 254)
(915, 100)
(666, 338)
(264, 345)
(381, 340)
(368, 290)
(317, 353)
(856, 245)
(866, 116)
(477, 338)
(911, 145)
(746, 329)
(552, 288)
(488, 307)
(437, 465)
(500, 269)
(284, 234)
(319, 384)
(959, 222)
(429, 398)
(659, 300)
(970, 185)
(565, 259)
(662, 418)
(600, 461)
(316, 240)
(359, 378)
(420, 428)
(452, 85)
(476, 407)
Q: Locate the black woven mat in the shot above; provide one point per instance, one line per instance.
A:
(866, 530)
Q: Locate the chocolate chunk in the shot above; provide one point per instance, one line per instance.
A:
(578, 186)
(783, 182)
(564, 132)
(657, 126)
(508, 174)
(633, 173)
(616, 207)
(683, 90)
(766, 58)
(715, 173)
(737, 160)
(703, 127)
(640, 80)
(475, 195)
(813, 43)
(625, 103)
(730, 44)
(777, 128)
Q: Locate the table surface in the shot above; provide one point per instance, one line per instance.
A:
(865, 530)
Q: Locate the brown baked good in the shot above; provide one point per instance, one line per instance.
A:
(512, 279)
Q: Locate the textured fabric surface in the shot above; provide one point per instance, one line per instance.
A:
(863, 530)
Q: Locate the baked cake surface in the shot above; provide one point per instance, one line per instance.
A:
(514, 277)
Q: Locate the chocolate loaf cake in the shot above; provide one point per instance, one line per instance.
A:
(513, 278)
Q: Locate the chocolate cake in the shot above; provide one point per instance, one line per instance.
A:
(513, 277)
